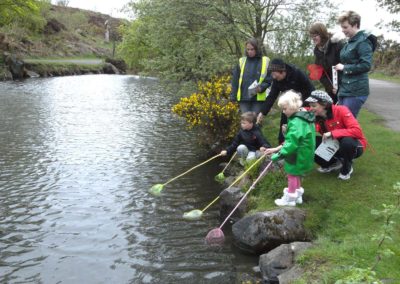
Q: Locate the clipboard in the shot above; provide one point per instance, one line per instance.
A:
(327, 149)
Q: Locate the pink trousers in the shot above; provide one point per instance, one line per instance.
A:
(293, 183)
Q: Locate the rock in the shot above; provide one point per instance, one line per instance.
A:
(290, 275)
(32, 74)
(119, 63)
(275, 262)
(15, 65)
(264, 231)
(280, 260)
(53, 26)
(110, 69)
(229, 199)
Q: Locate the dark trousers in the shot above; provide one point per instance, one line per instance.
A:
(281, 137)
(349, 149)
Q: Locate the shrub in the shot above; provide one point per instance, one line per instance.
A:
(210, 111)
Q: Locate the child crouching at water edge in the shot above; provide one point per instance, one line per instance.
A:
(249, 142)
(297, 149)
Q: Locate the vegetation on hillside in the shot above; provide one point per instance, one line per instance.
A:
(35, 28)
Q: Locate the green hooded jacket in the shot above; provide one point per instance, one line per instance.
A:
(299, 146)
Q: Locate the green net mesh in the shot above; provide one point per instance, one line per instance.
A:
(156, 189)
(193, 215)
(220, 177)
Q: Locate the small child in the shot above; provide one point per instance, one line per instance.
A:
(297, 149)
(249, 142)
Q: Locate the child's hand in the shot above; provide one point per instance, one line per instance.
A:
(224, 153)
(270, 151)
(262, 149)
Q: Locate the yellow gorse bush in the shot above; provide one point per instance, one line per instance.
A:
(210, 111)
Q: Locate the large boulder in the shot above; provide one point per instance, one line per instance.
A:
(265, 231)
(15, 65)
(53, 26)
(110, 69)
(280, 261)
(119, 63)
(229, 198)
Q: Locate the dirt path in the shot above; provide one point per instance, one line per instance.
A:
(74, 61)
(384, 100)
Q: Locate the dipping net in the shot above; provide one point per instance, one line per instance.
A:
(215, 237)
(156, 189)
(193, 215)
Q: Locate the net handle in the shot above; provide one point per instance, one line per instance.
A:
(191, 169)
(247, 192)
(242, 175)
(233, 156)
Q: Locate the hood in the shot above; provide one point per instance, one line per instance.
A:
(366, 35)
(305, 115)
(337, 36)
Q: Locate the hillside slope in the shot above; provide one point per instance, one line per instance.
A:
(69, 32)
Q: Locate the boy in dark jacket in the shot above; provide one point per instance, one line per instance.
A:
(249, 142)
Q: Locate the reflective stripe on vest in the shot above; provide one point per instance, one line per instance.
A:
(264, 69)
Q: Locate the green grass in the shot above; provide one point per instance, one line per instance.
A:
(382, 76)
(339, 212)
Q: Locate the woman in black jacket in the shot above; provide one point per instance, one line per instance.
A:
(327, 54)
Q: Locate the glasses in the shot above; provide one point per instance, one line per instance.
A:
(314, 35)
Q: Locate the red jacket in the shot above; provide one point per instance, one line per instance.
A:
(342, 124)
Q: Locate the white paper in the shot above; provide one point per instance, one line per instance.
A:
(252, 88)
(327, 149)
(334, 78)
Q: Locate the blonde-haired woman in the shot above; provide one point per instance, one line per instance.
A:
(298, 148)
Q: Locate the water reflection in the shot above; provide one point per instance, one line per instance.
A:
(78, 155)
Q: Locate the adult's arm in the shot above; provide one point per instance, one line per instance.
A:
(235, 82)
(364, 49)
(266, 82)
(262, 140)
(351, 127)
(271, 98)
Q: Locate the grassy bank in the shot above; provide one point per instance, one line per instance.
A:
(339, 212)
(382, 76)
(66, 66)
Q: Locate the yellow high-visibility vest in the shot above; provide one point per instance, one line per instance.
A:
(264, 68)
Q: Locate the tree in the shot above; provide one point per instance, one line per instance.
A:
(200, 38)
(393, 6)
(26, 12)
(63, 3)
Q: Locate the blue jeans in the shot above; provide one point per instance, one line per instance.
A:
(354, 103)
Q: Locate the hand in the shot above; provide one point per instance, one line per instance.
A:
(224, 153)
(262, 149)
(326, 135)
(339, 67)
(269, 151)
(260, 118)
(334, 91)
(258, 89)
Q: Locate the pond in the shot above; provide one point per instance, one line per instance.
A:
(78, 155)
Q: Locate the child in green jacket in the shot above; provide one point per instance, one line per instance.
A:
(297, 149)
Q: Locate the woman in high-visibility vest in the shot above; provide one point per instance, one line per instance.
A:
(251, 79)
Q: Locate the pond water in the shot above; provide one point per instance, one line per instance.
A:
(78, 155)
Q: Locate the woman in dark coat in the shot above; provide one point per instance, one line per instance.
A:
(327, 54)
